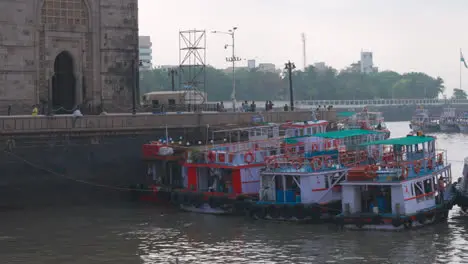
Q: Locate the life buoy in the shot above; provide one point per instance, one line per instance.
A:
(329, 144)
(363, 155)
(430, 164)
(343, 157)
(336, 144)
(375, 154)
(315, 147)
(370, 172)
(404, 172)
(297, 164)
(316, 163)
(290, 150)
(417, 166)
(211, 156)
(440, 159)
(249, 158)
(270, 163)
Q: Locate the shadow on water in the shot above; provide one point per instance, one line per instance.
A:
(132, 233)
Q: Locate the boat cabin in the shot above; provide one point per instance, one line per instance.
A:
(411, 183)
(293, 180)
(304, 129)
(231, 168)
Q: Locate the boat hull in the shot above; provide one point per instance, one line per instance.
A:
(380, 223)
(304, 213)
(448, 128)
(463, 128)
(425, 128)
(196, 202)
(205, 209)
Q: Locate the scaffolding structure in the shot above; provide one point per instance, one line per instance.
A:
(192, 65)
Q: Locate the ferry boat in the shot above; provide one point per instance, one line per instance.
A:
(422, 121)
(411, 191)
(462, 122)
(303, 183)
(224, 179)
(366, 120)
(461, 188)
(448, 120)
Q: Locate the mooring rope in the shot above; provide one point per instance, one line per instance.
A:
(73, 179)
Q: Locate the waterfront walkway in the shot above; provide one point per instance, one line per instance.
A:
(140, 122)
(308, 104)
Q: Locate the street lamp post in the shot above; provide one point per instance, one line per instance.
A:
(289, 66)
(233, 60)
(172, 73)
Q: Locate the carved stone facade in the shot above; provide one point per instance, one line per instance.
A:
(63, 53)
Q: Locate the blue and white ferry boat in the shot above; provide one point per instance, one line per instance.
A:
(303, 182)
(411, 191)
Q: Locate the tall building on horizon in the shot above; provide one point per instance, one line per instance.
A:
(367, 63)
(145, 47)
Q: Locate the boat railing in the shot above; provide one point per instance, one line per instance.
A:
(246, 145)
(400, 169)
(288, 164)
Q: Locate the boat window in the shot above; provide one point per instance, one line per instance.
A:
(327, 183)
(428, 185)
(412, 190)
(418, 188)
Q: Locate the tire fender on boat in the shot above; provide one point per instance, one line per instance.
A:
(408, 223)
(421, 218)
(299, 211)
(397, 222)
(272, 211)
(377, 220)
(212, 202)
(359, 223)
(260, 212)
(286, 211)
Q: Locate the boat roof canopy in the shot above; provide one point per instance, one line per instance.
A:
(403, 141)
(345, 114)
(347, 133)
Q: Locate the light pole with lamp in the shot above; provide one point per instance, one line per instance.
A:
(232, 59)
(289, 66)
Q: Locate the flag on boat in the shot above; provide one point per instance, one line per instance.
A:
(462, 59)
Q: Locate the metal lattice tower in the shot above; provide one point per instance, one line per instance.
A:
(192, 64)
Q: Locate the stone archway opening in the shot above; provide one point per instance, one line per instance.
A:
(63, 83)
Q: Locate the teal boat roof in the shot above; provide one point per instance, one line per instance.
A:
(347, 133)
(345, 114)
(403, 141)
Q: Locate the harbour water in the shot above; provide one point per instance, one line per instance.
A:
(131, 233)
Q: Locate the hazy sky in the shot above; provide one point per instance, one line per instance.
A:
(404, 35)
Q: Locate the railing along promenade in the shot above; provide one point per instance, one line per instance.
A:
(141, 122)
(380, 102)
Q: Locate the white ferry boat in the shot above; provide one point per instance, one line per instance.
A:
(303, 184)
(462, 122)
(448, 120)
(408, 192)
(422, 121)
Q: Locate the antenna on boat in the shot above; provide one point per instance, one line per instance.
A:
(167, 135)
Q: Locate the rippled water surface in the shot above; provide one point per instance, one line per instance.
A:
(152, 234)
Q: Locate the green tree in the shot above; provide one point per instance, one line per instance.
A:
(309, 84)
(459, 94)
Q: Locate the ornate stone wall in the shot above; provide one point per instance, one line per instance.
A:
(100, 35)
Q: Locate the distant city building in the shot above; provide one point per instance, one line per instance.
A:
(146, 53)
(251, 64)
(366, 62)
(320, 66)
(365, 65)
(267, 67)
(167, 67)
